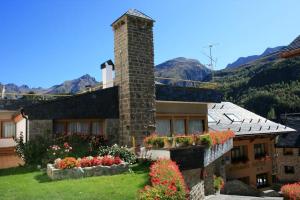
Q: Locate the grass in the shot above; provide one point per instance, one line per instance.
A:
(26, 183)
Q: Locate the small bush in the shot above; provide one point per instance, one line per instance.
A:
(117, 151)
(205, 140)
(155, 141)
(184, 140)
(291, 191)
(43, 149)
(166, 182)
(34, 152)
(218, 183)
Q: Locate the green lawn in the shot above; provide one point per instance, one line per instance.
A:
(23, 183)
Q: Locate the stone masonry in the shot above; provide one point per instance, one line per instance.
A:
(40, 127)
(134, 65)
(292, 160)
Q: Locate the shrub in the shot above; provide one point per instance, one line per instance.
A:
(155, 141)
(218, 183)
(291, 191)
(117, 151)
(83, 145)
(204, 140)
(34, 151)
(184, 140)
(166, 182)
(58, 151)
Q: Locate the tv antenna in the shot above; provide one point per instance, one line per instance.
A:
(213, 61)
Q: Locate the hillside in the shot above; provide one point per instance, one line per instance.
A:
(267, 88)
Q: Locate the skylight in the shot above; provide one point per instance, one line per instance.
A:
(211, 119)
(232, 117)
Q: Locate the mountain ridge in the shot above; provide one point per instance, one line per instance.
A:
(248, 59)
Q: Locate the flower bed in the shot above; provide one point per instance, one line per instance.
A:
(166, 182)
(291, 191)
(70, 167)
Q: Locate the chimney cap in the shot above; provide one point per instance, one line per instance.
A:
(135, 13)
(108, 62)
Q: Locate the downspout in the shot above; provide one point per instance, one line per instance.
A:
(26, 124)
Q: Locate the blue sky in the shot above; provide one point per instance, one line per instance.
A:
(45, 42)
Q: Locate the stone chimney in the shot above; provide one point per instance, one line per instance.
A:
(134, 74)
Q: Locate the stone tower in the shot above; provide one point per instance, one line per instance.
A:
(134, 74)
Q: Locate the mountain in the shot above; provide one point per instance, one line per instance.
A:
(67, 87)
(73, 86)
(246, 60)
(182, 68)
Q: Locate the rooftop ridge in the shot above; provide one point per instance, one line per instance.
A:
(137, 13)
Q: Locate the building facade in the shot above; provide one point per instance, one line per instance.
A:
(252, 159)
(288, 150)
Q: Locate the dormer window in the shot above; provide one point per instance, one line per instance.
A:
(232, 117)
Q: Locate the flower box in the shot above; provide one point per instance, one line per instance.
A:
(79, 172)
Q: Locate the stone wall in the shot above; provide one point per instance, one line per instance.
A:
(112, 130)
(40, 127)
(288, 160)
(194, 182)
(209, 179)
(134, 65)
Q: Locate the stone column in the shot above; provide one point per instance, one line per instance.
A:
(134, 65)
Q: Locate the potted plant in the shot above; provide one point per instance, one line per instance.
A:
(205, 140)
(218, 184)
(183, 141)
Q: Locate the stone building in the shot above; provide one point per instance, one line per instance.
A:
(288, 150)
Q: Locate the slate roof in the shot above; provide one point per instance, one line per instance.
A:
(290, 139)
(187, 94)
(135, 13)
(248, 122)
(14, 104)
(100, 104)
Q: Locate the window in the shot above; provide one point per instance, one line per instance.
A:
(239, 154)
(262, 180)
(289, 169)
(163, 127)
(96, 128)
(287, 151)
(182, 125)
(259, 151)
(210, 119)
(179, 126)
(78, 127)
(195, 126)
(232, 117)
(8, 129)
